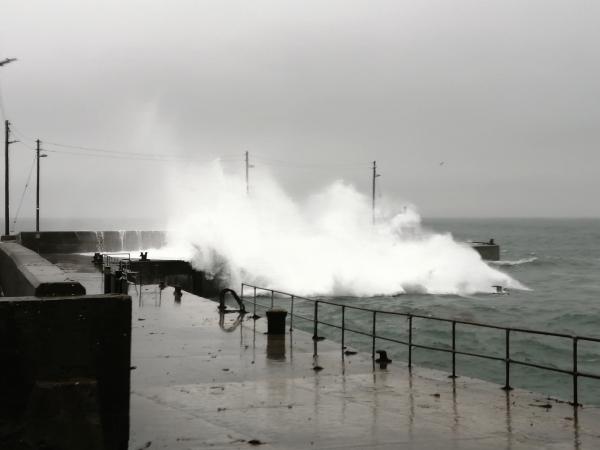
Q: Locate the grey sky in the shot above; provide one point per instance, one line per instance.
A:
(506, 93)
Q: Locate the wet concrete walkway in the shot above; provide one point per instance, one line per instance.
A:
(199, 383)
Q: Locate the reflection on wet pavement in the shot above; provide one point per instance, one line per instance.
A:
(205, 380)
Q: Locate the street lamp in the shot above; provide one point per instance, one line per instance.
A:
(7, 142)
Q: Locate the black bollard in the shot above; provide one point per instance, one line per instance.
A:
(276, 321)
(177, 294)
(107, 280)
(97, 258)
(276, 347)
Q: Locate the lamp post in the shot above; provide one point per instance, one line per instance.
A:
(7, 143)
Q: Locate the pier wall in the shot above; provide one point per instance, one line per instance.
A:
(91, 241)
(178, 273)
(23, 272)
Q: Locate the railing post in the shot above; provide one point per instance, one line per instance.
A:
(272, 293)
(254, 312)
(409, 341)
(374, 331)
(315, 320)
(453, 350)
(507, 362)
(343, 326)
(292, 315)
(575, 374)
(315, 336)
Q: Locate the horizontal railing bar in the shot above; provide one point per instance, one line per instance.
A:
(392, 340)
(364, 333)
(329, 324)
(358, 332)
(479, 355)
(302, 317)
(540, 366)
(588, 375)
(437, 349)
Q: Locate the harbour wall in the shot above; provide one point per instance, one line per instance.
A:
(46, 242)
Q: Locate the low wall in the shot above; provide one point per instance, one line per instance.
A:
(178, 273)
(25, 273)
(488, 252)
(65, 377)
(91, 241)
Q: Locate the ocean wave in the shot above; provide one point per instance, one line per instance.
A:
(517, 262)
(325, 245)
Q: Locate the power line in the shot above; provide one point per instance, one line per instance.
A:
(23, 194)
(165, 157)
(94, 151)
(19, 133)
(300, 165)
(126, 156)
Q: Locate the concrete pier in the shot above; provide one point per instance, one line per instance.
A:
(204, 380)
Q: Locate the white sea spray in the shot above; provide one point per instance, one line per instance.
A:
(325, 245)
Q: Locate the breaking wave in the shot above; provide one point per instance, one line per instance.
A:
(517, 262)
(325, 245)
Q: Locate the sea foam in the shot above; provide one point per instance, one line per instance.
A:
(324, 245)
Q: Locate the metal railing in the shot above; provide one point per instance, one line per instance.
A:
(120, 260)
(507, 360)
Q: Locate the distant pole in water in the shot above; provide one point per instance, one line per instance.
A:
(375, 175)
(248, 167)
(247, 181)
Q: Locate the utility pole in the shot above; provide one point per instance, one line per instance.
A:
(375, 175)
(6, 184)
(7, 142)
(37, 187)
(248, 167)
(37, 192)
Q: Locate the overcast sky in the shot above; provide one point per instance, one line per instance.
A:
(471, 108)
